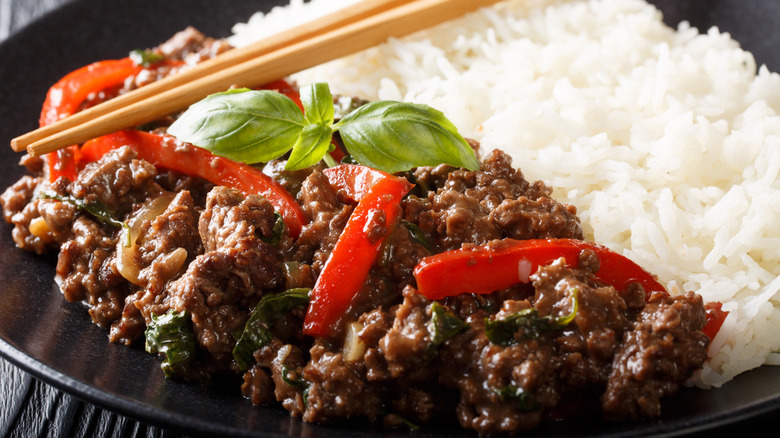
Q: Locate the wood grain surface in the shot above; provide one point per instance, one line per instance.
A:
(31, 408)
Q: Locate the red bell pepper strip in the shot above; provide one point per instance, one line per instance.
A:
(66, 97)
(488, 268)
(166, 152)
(68, 94)
(355, 252)
(715, 317)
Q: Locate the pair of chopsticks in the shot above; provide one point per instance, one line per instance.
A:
(355, 28)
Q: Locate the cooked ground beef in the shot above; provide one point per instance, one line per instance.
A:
(213, 253)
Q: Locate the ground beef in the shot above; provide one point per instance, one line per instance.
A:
(192, 46)
(664, 346)
(337, 389)
(236, 268)
(328, 217)
(165, 248)
(493, 203)
(86, 270)
(118, 181)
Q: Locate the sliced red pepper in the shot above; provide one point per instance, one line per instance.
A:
(715, 317)
(166, 152)
(355, 252)
(68, 94)
(488, 268)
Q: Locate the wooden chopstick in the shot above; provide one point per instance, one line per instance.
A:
(339, 40)
(230, 58)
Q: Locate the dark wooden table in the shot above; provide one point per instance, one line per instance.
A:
(31, 408)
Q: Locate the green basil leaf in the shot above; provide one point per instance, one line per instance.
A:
(97, 209)
(442, 326)
(502, 331)
(277, 231)
(251, 126)
(257, 331)
(396, 136)
(317, 103)
(145, 58)
(417, 233)
(171, 335)
(312, 145)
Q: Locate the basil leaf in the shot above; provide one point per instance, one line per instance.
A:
(317, 103)
(397, 136)
(257, 331)
(417, 233)
(276, 232)
(96, 209)
(312, 145)
(294, 383)
(442, 326)
(171, 335)
(502, 331)
(145, 58)
(251, 126)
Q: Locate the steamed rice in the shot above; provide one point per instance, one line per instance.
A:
(667, 141)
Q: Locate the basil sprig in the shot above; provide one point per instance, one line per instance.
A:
(256, 126)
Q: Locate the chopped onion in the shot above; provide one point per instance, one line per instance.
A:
(128, 243)
(354, 347)
(40, 229)
(173, 261)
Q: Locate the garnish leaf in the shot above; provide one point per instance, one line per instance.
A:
(258, 126)
(318, 103)
(397, 136)
(251, 126)
(312, 145)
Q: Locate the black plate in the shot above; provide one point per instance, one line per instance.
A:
(56, 341)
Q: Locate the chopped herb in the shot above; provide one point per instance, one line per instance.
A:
(276, 232)
(417, 233)
(295, 383)
(442, 326)
(502, 331)
(96, 209)
(257, 331)
(145, 57)
(171, 335)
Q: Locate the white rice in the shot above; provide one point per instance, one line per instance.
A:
(667, 141)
